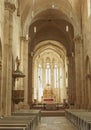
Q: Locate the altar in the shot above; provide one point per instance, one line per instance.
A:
(48, 100)
(51, 106)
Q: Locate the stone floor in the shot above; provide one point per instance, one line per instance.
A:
(55, 123)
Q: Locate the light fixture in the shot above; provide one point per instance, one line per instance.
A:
(72, 54)
(32, 14)
(27, 37)
(34, 29)
(67, 28)
(53, 6)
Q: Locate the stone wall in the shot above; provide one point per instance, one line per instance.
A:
(16, 35)
(1, 19)
(86, 24)
(86, 32)
(1, 45)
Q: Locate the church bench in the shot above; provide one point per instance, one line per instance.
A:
(12, 128)
(18, 120)
(37, 113)
(16, 123)
(12, 125)
(80, 118)
(23, 115)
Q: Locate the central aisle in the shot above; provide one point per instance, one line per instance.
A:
(55, 123)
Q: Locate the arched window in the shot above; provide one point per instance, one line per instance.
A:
(89, 7)
(48, 74)
(39, 75)
(40, 89)
(61, 75)
(55, 76)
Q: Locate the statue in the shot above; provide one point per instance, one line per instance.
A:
(17, 63)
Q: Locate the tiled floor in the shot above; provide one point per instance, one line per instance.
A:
(55, 123)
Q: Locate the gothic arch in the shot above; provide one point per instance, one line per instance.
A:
(39, 50)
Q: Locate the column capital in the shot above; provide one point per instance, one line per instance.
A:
(78, 38)
(23, 38)
(9, 6)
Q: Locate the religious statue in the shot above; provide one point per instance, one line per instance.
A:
(17, 63)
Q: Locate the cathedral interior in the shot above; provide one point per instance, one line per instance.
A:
(45, 61)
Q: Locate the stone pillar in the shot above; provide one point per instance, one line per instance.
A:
(88, 91)
(30, 87)
(18, 9)
(7, 59)
(24, 66)
(79, 70)
(0, 88)
(71, 80)
(35, 77)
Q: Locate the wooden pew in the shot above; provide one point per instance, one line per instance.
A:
(19, 124)
(33, 118)
(26, 122)
(37, 113)
(80, 118)
(12, 128)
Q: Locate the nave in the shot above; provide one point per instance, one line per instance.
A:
(55, 123)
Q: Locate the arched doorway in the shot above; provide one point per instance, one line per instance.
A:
(49, 72)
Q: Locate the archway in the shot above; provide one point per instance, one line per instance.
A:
(49, 72)
(48, 26)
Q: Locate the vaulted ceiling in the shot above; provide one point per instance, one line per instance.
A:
(39, 5)
(50, 17)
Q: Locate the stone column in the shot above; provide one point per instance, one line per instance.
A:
(88, 91)
(24, 63)
(71, 79)
(30, 87)
(79, 70)
(0, 88)
(18, 9)
(7, 59)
